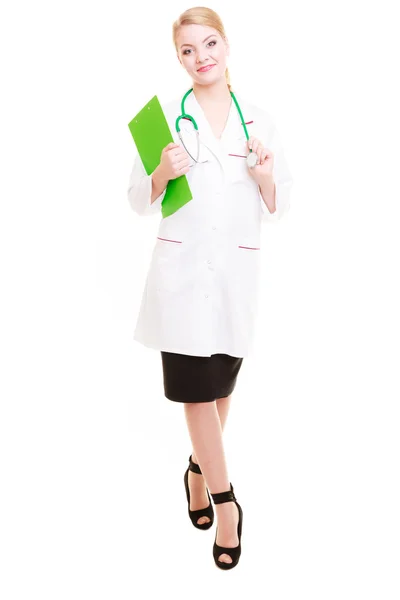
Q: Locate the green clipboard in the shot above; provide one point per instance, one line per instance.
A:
(151, 133)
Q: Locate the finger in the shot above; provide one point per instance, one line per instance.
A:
(183, 170)
(171, 146)
(260, 150)
(264, 155)
(253, 143)
(179, 153)
(181, 164)
(256, 145)
(268, 154)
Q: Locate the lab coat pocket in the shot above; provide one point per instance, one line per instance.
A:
(247, 269)
(165, 270)
(237, 169)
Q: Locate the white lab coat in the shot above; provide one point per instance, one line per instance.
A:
(201, 291)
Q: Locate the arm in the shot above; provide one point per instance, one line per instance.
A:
(267, 190)
(275, 191)
(158, 185)
(145, 192)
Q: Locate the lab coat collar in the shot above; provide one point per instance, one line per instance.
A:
(233, 128)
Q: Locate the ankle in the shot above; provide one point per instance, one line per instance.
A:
(224, 507)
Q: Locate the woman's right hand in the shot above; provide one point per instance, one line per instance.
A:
(174, 162)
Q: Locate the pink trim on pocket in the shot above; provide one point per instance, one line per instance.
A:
(248, 248)
(166, 240)
(249, 122)
(238, 155)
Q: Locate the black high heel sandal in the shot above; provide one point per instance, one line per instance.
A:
(235, 552)
(201, 512)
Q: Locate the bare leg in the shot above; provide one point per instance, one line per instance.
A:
(197, 484)
(223, 405)
(206, 434)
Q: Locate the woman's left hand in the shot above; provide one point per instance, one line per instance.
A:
(265, 162)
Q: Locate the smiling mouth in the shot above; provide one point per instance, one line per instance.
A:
(204, 69)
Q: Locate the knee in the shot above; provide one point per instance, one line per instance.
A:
(200, 405)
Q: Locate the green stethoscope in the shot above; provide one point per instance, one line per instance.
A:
(251, 158)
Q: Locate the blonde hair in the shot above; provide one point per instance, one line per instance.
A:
(200, 15)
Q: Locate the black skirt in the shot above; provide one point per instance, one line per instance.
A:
(199, 378)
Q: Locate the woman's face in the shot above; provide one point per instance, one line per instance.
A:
(200, 46)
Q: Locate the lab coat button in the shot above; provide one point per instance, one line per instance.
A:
(209, 262)
(214, 227)
(205, 295)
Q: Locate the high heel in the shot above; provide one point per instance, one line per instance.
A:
(235, 552)
(201, 512)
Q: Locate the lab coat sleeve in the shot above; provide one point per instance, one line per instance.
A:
(283, 180)
(139, 191)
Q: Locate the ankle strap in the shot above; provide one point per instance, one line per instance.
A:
(222, 497)
(194, 467)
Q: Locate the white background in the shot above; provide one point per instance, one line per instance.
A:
(92, 453)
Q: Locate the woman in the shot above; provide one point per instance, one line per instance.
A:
(199, 304)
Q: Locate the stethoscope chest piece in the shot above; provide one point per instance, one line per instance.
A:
(252, 160)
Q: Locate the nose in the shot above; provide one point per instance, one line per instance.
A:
(201, 57)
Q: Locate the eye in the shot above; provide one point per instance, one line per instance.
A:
(213, 42)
